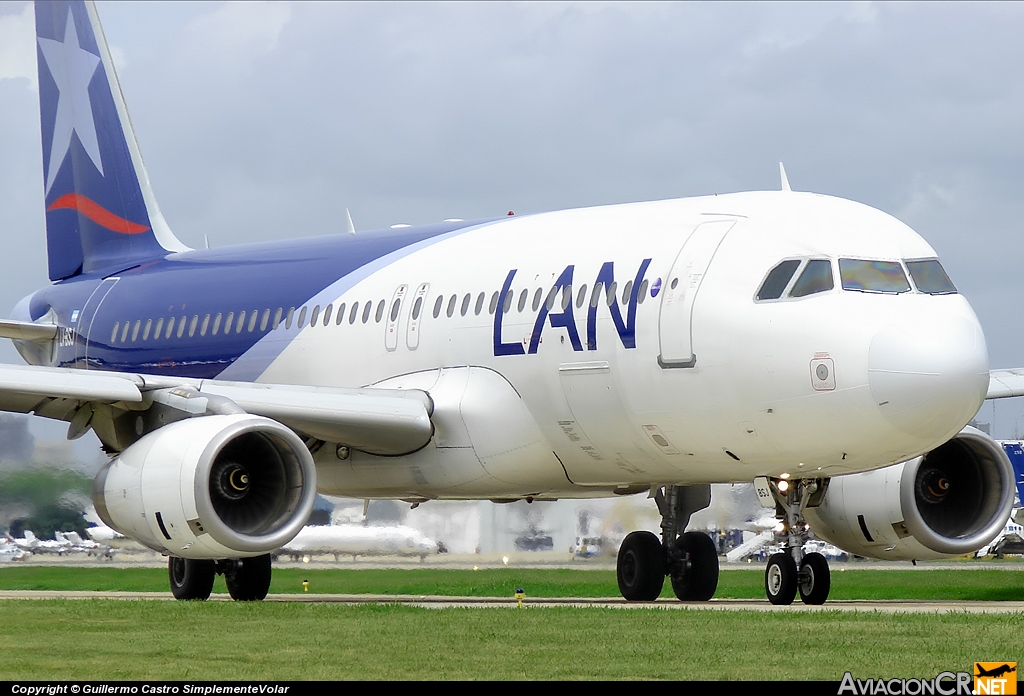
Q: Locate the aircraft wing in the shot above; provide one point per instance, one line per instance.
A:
(379, 421)
(1005, 383)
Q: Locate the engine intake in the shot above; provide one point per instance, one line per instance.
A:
(949, 502)
(222, 486)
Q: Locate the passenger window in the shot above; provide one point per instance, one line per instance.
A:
(287, 319)
(523, 297)
(135, 330)
(930, 277)
(437, 306)
(642, 292)
(536, 298)
(314, 316)
(113, 335)
(417, 306)
(611, 294)
(566, 296)
(479, 303)
(352, 314)
(627, 289)
(465, 305)
(327, 314)
(581, 296)
(778, 278)
(158, 329)
(507, 304)
(493, 304)
(302, 317)
(451, 306)
(181, 326)
(216, 324)
(170, 328)
(379, 314)
(228, 322)
(265, 320)
(252, 320)
(124, 331)
(241, 322)
(549, 302)
(341, 314)
(367, 308)
(145, 331)
(277, 318)
(873, 276)
(192, 326)
(596, 294)
(816, 277)
(206, 325)
(395, 307)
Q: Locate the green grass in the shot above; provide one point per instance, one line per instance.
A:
(947, 585)
(111, 639)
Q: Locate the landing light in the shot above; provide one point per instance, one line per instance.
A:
(783, 486)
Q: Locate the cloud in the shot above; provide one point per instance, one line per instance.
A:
(18, 47)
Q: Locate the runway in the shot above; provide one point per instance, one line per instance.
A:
(440, 602)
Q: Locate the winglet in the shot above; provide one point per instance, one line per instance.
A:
(351, 226)
(785, 179)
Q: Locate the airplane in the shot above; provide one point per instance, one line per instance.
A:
(358, 540)
(811, 343)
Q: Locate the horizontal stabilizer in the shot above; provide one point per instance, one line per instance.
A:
(27, 331)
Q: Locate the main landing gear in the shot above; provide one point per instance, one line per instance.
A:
(248, 579)
(793, 571)
(689, 559)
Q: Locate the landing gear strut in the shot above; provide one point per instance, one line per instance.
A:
(792, 571)
(690, 559)
(248, 579)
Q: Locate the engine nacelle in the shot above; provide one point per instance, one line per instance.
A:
(950, 502)
(221, 486)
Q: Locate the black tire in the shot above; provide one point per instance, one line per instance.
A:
(815, 579)
(700, 579)
(640, 567)
(249, 581)
(780, 579)
(190, 579)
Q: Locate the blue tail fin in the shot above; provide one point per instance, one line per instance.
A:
(1015, 451)
(100, 210)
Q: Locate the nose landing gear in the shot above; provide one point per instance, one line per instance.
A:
(689, 559)
(792, 572)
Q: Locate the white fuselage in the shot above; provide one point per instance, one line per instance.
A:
(719, 386)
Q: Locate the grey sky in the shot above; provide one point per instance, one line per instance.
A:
(265, 121)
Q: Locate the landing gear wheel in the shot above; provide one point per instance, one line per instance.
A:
(815, 579)
(249, 580)
(190, 579)
(641, 567)
(699, 578)
(780, 579)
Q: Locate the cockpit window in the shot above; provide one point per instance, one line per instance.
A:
(929, 277)
(873, 276)
(778, 278)
(817, 277)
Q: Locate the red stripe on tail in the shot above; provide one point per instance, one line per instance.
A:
(97, 213)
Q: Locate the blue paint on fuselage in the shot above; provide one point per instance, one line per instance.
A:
(251, 277)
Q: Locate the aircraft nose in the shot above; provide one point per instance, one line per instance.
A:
(929, 375)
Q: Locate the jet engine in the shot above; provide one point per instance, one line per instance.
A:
(219, 486)
(949, 502)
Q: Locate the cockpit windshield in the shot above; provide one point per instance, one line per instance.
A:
(873, 276)
(930, 277)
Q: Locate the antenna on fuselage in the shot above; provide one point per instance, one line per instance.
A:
(785, 179)
(351, 225)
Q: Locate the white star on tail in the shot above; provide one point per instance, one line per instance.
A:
(72, 69)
